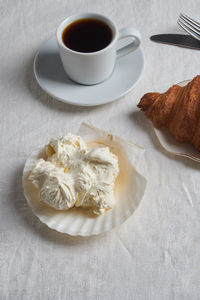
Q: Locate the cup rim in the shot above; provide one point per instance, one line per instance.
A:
(75, 17)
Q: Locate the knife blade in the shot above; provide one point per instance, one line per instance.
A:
(181, 40)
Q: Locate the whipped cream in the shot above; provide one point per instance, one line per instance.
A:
(73, 175)
(55, 186)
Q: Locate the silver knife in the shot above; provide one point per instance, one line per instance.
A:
(181, 40)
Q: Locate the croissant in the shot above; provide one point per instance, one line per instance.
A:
(178, 109)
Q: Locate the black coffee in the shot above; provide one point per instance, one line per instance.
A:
(87, 35)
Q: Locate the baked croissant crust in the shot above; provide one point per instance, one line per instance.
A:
(178, 109)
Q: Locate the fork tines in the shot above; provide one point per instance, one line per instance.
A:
(189, 25)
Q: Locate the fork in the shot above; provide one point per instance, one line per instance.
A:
(189, 25)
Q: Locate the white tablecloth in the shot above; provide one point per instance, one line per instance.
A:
(155, 254)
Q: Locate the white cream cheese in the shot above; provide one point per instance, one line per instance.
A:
(74, 175)
(56, 188)
(66, 151)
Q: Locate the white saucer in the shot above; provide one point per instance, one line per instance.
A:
(52, 78)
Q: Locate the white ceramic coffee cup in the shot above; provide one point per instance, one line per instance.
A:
(95, 67)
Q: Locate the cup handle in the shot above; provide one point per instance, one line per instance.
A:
(128, 32)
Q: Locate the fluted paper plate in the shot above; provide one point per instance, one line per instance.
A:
(171, 145)
(129, 188)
